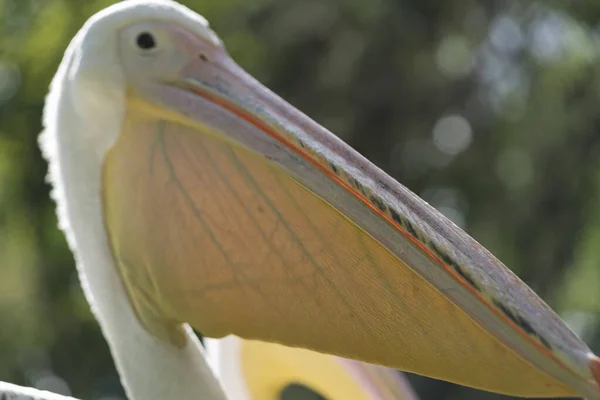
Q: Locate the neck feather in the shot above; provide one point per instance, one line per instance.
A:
(149, 368)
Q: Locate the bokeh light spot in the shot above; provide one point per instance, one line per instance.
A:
(453, 57)
(452, 134)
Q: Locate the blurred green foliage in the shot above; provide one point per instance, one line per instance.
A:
(487, 109)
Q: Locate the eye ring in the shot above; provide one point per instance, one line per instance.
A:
(145, 41)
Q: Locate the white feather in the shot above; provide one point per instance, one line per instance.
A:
(224, 358)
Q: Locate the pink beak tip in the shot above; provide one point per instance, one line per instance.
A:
(595, 367)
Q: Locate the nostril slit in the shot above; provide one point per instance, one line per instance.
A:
(203, 57)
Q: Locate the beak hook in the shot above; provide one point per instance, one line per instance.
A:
(595, 367)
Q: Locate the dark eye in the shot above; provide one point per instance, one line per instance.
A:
(145, 41)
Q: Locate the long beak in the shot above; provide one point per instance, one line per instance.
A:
(249, 218)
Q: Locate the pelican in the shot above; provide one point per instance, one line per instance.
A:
(192, 196)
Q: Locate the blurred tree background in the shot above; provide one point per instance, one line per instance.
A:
(487, 109)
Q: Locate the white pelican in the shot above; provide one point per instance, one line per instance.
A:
(191, 194)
